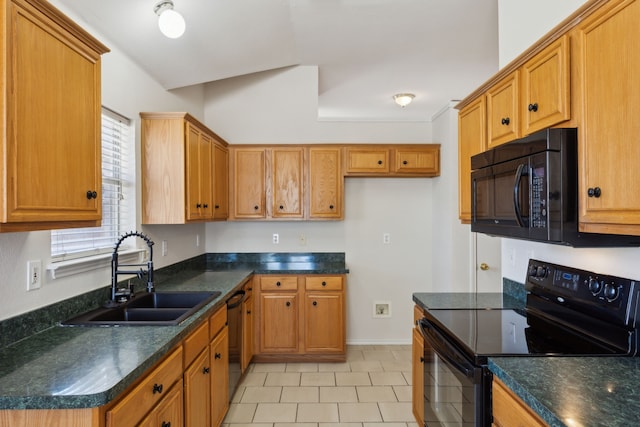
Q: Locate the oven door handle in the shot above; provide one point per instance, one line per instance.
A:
(445, 349)
(235, 304)
(516, 194)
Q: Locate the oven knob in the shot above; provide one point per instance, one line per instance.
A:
(610, 291)
(541, 271)
(594, 286)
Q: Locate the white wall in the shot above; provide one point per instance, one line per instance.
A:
(280, 107)
(522, 22)
(127, 90)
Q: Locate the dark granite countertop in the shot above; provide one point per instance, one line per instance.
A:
(575, 391)
(465, 300)
(63, 367)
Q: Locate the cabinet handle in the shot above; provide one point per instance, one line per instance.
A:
(404, 162)
(157, 388)
(198, 205)
(505, 121)
(217, 206)
(288, 303)
(166, 424)
(278, 284)
(256, 207)
(379, 162)
(421, 359)
(92, 195)
(205, 370)
(330, 206)
(217, 356)
(248, 311)
(533, 107)
(315, 303)
(281, 207)
(206, 206)
(324, 283)
(594, 192)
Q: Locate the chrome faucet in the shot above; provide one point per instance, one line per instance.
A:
(115, 296)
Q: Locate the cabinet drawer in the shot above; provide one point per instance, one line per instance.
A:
(139, 401)
(195, 343)
(367, 160)
(333, 283)
(279, 283)
(217, 321)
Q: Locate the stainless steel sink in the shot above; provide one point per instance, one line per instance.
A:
(147, 309)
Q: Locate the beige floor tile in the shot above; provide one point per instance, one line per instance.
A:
(366, 366)
(376, 394)
(261, 394)
(354, 354)
(384, 425)
(403, 393)
(359, 412)
(387, 378)
(269, 367)
(253, 378)
(301, 367)
(282, 378)
(294, 425)
(275, 413)
(338, 394)
(408, 377)
(402, 354)
(299, 394)
(378, 355)
(340, 425)
(396, 411)
(396, 365)
(240, 413)
(237, 396)
(318, 378)
(334, 367)
(249, 425)
(352, 378)
(318, 412)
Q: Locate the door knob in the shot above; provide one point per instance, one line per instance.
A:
(484, 266)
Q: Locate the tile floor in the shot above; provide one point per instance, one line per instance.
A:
(373, 387)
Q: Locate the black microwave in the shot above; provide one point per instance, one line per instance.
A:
(528, 189)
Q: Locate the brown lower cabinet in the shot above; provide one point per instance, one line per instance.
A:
(300, 317)
(509, 410)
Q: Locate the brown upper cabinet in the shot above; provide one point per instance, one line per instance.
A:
(326, 182)
(472, 140)
(418, 160)
(182, 162)
(502, 111)
(48, 58)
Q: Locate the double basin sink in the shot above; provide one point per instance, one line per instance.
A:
(147, 309)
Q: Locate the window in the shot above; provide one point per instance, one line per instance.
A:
(117, 187)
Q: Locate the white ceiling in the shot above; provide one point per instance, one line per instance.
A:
(365, 50)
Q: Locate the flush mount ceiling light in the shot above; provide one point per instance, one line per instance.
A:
(171, 23)
(403, 99)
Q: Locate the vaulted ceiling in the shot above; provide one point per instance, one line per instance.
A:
(365, 50)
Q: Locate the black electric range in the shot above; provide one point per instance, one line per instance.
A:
(568, 312)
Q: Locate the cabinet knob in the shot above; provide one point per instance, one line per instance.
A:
(594, 192)
(217, 206)
(505, 121)
(166, 424)
(330, 206)
(281, 207)
(206, 206)
(533, 107)
(404, 162)
(248, 311)
(205, 370)
(256, 207)
(198, 205)
(288, 304)
(324, 283)
(157, 388)
(421, 359)
(278, 283)
(379, 162)
(92, 194)
(218, 356)
(315, 303)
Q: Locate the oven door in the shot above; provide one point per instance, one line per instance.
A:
(456, 392)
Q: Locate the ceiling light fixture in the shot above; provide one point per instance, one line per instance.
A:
(171, 23)
(403, 99)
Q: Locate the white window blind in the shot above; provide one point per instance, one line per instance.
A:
(116, 185)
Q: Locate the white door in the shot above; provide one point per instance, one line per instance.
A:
(487, 258)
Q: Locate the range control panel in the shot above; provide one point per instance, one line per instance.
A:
(601, 295)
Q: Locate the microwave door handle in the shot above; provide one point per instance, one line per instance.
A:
(516, 195)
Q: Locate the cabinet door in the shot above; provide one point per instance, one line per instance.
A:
(249, 183)
(53, 124)
(205, 153)
(545, 88)
(247, 333)
(471, 141)
(324, 322)
(503, 111)
(286, 169)
(367, 160)
(219, 377)
(419, 161)
(279, 322)
(608, 137)
(509, 410)
(417, 375)
(197, 391)
(325, 183)
(193, 202)
(221, 182)
(169, 411)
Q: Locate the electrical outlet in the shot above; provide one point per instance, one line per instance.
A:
(386, 238)
(276, 238)
(382, 309)
(165, 248)
(34, 275)
(302, 239)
